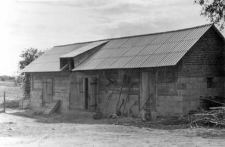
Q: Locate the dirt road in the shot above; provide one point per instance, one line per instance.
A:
(24, 129)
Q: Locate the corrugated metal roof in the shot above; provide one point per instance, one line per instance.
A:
(146, 40)
(119, 52)
(163, 49)
(131, 42)
(121, 62)
(82, 49)
(153, 60)
(112, 44)
(149, 49)
(166, 48)
(133, 51)
(171, 58)
(49, 61)
(152, 50)
(136, 61)
(106, 63)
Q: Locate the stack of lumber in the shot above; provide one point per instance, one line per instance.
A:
(214, 117)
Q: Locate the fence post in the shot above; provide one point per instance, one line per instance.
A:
(4, 102)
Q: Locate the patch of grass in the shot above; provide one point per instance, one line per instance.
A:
(11, 104)
(12, 92)
(7, 83)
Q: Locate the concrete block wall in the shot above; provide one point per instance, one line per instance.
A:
(61, 87)
(205, 59)
(36, 99)
(191, 88)
(170, 105)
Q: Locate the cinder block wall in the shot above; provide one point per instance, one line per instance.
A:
(205, 59)
(169, 102)
(36, 92)
(60, 91)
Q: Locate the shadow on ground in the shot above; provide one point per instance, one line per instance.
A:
(80, 117)
(84, 117)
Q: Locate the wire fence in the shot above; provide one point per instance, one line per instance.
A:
(11, 94)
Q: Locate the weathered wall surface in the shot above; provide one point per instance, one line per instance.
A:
(176, 90)
(108, 89)
(162, 85)
(60, 89)
(204, 61)
(168, 100)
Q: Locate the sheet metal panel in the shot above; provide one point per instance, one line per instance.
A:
(136, 62)
(82, 49)
(166, 48)
(161, 39)
(92, 64)
(150, 49)
(146, 40)
(65, 49)
(171, 58)
(153, 60)
(103, 53)
(178, 36)
(106, 63)
(131, 41)
(46, 58)
(39, 67)
(185, 45)
(121, 62)
(116, 43)
(197, 32)
(133, 51)
(119, 52)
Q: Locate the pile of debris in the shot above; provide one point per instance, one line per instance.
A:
(211, 113)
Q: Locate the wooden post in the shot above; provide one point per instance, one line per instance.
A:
(4, 102)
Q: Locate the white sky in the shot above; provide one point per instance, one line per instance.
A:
(45, 23)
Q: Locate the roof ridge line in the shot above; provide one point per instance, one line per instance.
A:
(195, 27)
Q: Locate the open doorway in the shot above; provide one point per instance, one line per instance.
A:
(86, 95)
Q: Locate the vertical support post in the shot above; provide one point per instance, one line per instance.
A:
(156, 88)
(4, 102)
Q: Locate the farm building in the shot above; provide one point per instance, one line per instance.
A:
(166, 73)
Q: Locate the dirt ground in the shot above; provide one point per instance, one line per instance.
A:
(24, 128)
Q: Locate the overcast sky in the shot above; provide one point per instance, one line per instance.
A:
(43, 24)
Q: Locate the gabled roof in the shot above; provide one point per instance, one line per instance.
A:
(150, 50)
(153, 50)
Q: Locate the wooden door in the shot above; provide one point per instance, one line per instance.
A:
(76, 92)
(86, 94)
(48, 91)
(92, 94)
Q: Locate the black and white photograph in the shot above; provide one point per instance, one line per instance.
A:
(112, 73)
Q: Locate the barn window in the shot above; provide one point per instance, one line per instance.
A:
(210, 82)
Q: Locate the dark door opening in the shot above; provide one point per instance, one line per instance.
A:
(86, 93)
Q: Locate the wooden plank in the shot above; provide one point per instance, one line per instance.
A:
(52, 108)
